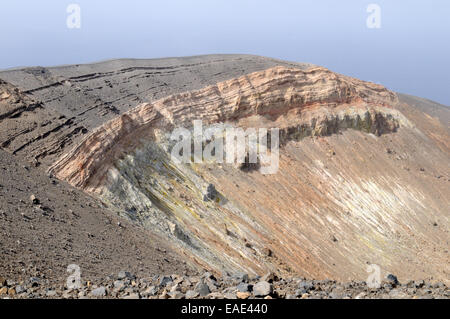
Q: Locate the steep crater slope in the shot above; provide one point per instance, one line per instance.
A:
(363, 177)
(359, 181)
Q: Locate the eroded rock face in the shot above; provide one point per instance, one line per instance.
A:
(309, 102)
(76, 99)
(29, 129)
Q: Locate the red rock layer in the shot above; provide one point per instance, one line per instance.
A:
(275, 97)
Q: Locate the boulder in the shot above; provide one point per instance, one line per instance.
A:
(262, 289)
(125, 275)
(99, 292)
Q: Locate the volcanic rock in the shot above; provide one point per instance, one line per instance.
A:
(262, 289)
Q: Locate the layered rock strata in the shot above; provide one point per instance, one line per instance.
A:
(313, 102)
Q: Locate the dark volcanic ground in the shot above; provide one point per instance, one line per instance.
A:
(65, 226)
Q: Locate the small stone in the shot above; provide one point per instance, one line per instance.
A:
(202, 289)
(244, 287)
(151, 291)
(119, 285)
(242, 277)
(306, 285)
(426, 291)
(267, 252)
(175, 287)
(164, 295)
(215, 295)
(176, 295)
(50, 293)
(34, 200)
(2, 282)
(129, 290)
(20, 289)
(229, 290)
(388, 286)
(392, 279)
(164, 281)
(269, 277)
(262, 289)
(335, 295)
(125, 275)
(229, 295)
(99, 292)
(209, 193)
(242, 295)
(212, 285)
(208, 275)
(34, 281)
(69, 295)
(186, 282)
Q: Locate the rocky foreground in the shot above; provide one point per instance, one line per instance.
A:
(239, 286)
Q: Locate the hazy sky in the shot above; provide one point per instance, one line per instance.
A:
(409, 53)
